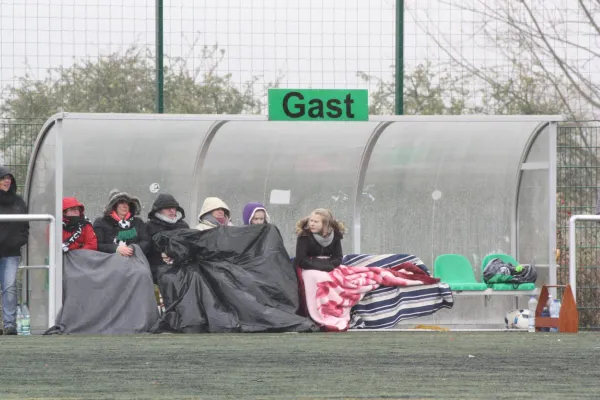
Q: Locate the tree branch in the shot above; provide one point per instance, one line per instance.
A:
(590, 17)
(559, 60)
(520, 26)
(473, 70)
(544, 46)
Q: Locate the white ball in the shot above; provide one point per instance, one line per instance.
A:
(517, 319)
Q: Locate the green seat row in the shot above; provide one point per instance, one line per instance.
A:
(456, 270)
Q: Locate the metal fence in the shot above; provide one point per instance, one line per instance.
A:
(17, 137)
(578, 171)
(458, 56)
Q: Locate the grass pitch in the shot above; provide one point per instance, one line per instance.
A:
(354, 365)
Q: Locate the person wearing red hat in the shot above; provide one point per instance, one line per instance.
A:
(78, 233)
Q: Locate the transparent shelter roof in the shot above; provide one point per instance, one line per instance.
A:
(418, 185)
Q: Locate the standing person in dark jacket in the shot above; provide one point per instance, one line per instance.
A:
(166, 215)
(13, 236)
(319, 244)
(119, 228)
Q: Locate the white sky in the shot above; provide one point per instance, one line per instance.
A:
(308, 43)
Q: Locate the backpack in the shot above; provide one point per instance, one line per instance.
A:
(498, 271)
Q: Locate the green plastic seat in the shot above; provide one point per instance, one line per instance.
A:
(505, 286)
(457, 272)
(513, 286)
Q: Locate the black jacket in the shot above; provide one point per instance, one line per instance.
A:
(308, 249)
(13, 235)
(155, 225)
(107, 230)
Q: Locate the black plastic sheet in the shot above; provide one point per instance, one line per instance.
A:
(228, 279)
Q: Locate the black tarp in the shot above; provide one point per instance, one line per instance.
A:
(228, 279)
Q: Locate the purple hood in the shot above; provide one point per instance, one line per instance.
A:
(249, 211)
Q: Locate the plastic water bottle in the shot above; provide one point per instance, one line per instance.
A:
(549, 302)
(545, 313)
(532, 306)
(555, 312)
(19, 321)
(25, 322)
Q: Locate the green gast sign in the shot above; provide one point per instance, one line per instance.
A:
(318, 105)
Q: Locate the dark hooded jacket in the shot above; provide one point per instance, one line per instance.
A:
(13, 235)
(111, 232)
(156, 224)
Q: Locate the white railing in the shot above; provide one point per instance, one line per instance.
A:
(573, 248)
(52, 296)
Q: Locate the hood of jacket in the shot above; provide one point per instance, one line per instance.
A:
(13, 185)
(250, 209)
(165, 200)
(211, 204)
(116, 196)
(70, 202)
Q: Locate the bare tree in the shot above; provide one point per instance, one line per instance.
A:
(425, 93)
(556, 40)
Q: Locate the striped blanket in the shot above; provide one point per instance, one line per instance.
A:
(385, 306)
(331, 295)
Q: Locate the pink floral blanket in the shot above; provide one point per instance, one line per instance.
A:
(331, 295)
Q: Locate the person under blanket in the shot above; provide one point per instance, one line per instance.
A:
(78, 233)
(319, 243)
(166, 215)
(120, 227)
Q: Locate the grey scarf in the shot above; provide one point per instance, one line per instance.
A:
(213, 220)
(324, 241)
(167, 219)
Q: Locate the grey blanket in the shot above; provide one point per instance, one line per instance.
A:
(106, 294)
